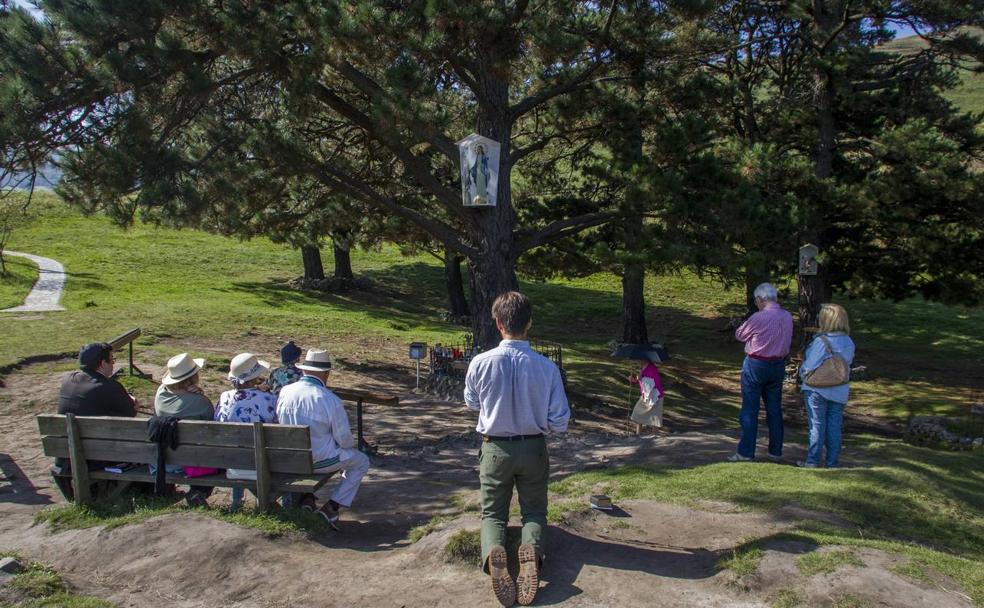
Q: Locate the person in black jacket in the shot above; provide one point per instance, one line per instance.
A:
(91, 391)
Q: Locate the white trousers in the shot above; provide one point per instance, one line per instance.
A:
(353, 464)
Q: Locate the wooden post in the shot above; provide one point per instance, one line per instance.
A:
(262, 467)
(358, 426)
(131, 357)
(80, 469)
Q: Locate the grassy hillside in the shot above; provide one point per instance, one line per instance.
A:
(16, 283)
(969, 95)
(189, 290)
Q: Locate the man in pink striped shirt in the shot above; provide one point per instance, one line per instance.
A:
(767, 336)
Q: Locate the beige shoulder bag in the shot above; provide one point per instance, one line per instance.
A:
(834, 371)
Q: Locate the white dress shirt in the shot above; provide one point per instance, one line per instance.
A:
(516, 391)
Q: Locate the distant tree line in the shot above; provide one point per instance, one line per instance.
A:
(636, 136)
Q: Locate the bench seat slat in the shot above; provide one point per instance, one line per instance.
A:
(281, 460)
(281, 483)
(197, 432)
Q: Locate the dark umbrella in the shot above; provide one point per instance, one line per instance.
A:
(642, 352)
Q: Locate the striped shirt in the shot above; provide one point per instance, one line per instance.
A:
(768, 333)
(309, 403)
(517, 392)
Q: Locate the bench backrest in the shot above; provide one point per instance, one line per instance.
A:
(225, 445)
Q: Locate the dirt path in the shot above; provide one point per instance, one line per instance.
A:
(650, 554)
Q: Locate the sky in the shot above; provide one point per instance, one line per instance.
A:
(901, 31)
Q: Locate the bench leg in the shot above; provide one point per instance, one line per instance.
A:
(262, 468)
(80, 469)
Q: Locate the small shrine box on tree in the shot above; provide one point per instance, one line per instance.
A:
(479, 170)
(808, 260)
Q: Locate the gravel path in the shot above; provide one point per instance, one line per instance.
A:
(47, 291)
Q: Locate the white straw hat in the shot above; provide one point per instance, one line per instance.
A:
(316, 361)
(181, 367)
(245, 367)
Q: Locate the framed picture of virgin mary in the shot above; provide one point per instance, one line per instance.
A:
(479, 170)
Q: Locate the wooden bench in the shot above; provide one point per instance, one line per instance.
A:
(279, 453)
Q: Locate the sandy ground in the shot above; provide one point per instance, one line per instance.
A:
(645, 554)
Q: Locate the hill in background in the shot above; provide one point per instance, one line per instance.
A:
(969, 95)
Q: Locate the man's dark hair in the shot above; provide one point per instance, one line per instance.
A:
(92, 355)
(513, 310)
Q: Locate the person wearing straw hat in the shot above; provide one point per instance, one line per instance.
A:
(180, 396)
(247, 401)
(310, 403)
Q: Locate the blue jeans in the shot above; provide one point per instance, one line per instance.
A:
(826, 420)
(761, 381)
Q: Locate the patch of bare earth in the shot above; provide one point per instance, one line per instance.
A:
(649, 554)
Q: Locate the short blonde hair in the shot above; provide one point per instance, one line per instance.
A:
(833, 317)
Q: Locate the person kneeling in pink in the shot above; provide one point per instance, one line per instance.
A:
(308, 402)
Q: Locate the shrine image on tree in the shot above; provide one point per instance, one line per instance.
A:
(479, 170)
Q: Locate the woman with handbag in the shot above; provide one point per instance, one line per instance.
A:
(826, 374)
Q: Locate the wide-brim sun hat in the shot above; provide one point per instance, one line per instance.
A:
(246, 366)
(316, 361)
(181, 367)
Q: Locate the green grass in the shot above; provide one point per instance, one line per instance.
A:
(901, 492)
(786, 598)
(560, 511)
(464, 547)
(418, 532)
(127, 510)
(852, 601)
(16, 283)
(913, 571)
(743, 561)
(926, 504)
(968, 95)
(827, 562)
(39, 585)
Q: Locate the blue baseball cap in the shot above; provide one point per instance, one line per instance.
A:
(92, 354)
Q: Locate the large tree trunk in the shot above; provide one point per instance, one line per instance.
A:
(492, 275)
(751, 282)
(634, 304)
(341, 248)
(313, 269)
(491, 229)
(634, 267)
(457, 303)
(811, 287)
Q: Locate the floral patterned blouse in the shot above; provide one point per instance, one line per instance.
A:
(282, 376)
(246, 405)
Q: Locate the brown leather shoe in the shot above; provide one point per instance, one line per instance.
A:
(528, 581)
(502, 582)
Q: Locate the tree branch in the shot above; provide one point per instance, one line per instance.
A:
(562, 228)
(449, 198)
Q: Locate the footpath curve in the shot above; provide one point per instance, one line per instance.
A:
(47, 291)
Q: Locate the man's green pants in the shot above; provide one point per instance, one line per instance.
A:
(501, 464)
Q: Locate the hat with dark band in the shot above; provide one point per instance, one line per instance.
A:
(316, 361)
